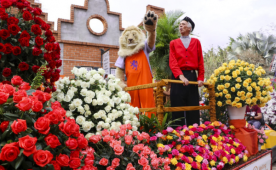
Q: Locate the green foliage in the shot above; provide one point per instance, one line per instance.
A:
(213, 59)
(167, 30)
(39, 78)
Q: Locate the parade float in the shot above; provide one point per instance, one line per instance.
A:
(88, 124)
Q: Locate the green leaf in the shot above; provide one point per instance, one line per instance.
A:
(29, 130)
(19, 161)
(50, 167)
(11, 115)
(3, 136)
(38, 146)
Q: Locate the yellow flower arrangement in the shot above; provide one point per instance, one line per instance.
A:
(239, 83)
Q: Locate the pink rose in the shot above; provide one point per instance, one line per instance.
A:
(118, 149)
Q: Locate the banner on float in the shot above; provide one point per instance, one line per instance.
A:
(106, 62)
(263, 163)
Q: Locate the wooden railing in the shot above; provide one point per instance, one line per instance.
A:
(160, 109)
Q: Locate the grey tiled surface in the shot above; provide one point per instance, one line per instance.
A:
(274, 166)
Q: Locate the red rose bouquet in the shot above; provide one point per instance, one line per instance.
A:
(33, 135)
(27, 43)
(125, 149)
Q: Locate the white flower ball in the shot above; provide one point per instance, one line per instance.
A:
(90, 94)
(68, 114)
(88, 100)
(94, 102)
(86, 126)
(77, 102)
(86, 107)
(74, 89)
(85, 84)
(67, 98)
(101, 71)
(81, 110)
(107, 108)
(92, 81)
(72, 107)
(78, 83)
(97, 76)
(83, 92)
(60, 97)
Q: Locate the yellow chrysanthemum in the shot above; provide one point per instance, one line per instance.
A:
(245, 158)
(225, 91)
(219, 103)
(198, 158)
(238, 86)
(249, 95)
(249, 73)
(212, 163)
(221, 77)
(239, 93)
(245, 83)
(248, 101)
(169, 137)
(233, 89)
(216, 94)
(188, 166)
(227, 71)
(228, 96)
(249, 88)
(237, 99)
(243, 98)
(160, 145)
(225, 160)
(239, 105)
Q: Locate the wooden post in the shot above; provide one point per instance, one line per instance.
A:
(212, 103)
(160, 101)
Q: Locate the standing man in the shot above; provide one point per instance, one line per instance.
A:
(185, 58)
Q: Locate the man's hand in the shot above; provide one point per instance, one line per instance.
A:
(200, 83)
(186, 81)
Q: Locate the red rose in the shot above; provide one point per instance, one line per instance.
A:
(41, 96)
(14, 29)
(37, 106)
(25, 34)
(7, 88)
(95, 138)
(16, 80)
(71, 143)
(35, 68)
(24, 42)
(45, 26)
(36, 29)
(69, 128)
(52, 141)
(6, 72)
(42, 125)
(16, 50)
(23, 66)
(2, 47)
(24, 86)
(38, 20)
(51, 39)
(4, 125)
(39, 41)
(3, 97)
(118, 149)
(37, 51)
(27, 16)
(19, 126)
(6, 3)
(60, 111)
(74, 163)
(115, 163)
(4, 34)
(75, 154)
(48, 33)
(56, 165)
(28, 144)
(20, 5)
(9, 48)
(42, 157)
(55, 105)
(9, 152)
(62, 160)
(37, 11)
(47, 57)
(17, 96)
(103, 162)
(58, 63)
(12, 20)
(2, 168)
(52, 64)
(49, 47)
(82, 142)
(6, 82)
(25, 104)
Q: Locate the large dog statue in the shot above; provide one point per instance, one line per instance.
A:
(134, 60)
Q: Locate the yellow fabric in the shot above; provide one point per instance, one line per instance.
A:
(271, 140)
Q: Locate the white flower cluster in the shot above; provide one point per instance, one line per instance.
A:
(269, 111)
(95, 103)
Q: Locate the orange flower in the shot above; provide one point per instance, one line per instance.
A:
(190, 159)
(178, 168)
(216, 123)
(198, 165)
(186, 137)
(164, 138)
(201, 143)
(211, 153)
(202, 125)
(179, 156)
(191, 132)
(215, 149)
(219, 147)
(178, 147)
(177, 134)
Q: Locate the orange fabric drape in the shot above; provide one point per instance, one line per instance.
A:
(248, 137)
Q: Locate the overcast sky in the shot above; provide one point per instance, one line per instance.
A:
(215, 20)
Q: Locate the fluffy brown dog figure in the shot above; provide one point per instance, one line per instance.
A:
(134, 60)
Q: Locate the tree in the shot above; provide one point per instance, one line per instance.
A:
(167, 30)
(253, 47)
(213, 59)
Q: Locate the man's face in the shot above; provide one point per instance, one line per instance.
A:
(183, 28)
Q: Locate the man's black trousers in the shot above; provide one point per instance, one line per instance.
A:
(185, 96)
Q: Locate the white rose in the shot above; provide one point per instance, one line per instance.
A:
(102, 81)
(60, 97)
(86, 126)
(71, 93)
(101, 123)
(122, 105)
(74, 89)
(68, 113)
(67, 98)
(101, 71)
(92, 72)
(106, 99)
(72, 107)
(87, 113)
(111, 76)
(111, 103)
(98, 127)
(90, 94)
(100, 102)
(88, 100)
(77, 102)
(83, 92)
(97, 76)
(88, 135)
(134, 128)
(108, 93)
(73, 82)
(80, 120)
(92, 81)
(94, 102)
(107, 108)
(78, 82)
(86, 107)
(106, 125)
(111, 116)
(124, 98)
(97, 116)
(81, 110)
(107, 120)
(66, 80)
(58, 91)
(85, 85)
(60, 86)
(136, 110)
